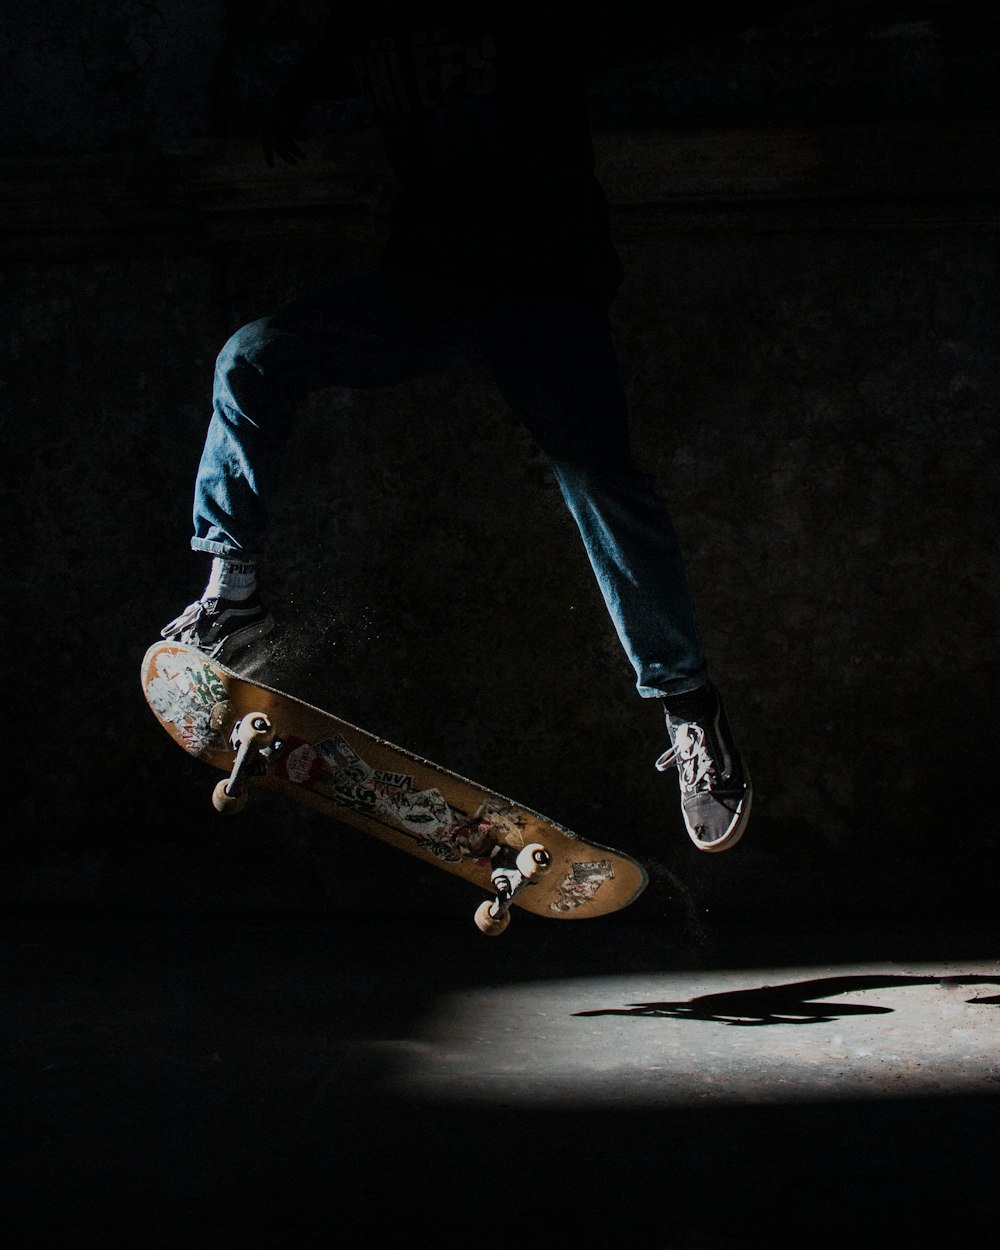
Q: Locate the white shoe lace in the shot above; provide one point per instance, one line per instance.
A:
(185, 622)
(691, 756)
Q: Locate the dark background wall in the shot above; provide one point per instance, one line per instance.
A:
(808, 332)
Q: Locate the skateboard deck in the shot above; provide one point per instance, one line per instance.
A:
(264, 738)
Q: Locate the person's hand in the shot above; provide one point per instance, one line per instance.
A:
(284, 131)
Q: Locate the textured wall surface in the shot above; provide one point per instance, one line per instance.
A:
(808, 333)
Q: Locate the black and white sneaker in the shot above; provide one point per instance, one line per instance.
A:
(220, 627)
(716, 791)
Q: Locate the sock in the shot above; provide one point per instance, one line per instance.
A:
(231, 579)
(692, 704)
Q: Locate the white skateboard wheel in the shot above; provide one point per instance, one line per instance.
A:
(492, 926)
(226, 803)
(533, 861)
(254, 729)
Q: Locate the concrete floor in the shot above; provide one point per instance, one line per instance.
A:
(264, 1081)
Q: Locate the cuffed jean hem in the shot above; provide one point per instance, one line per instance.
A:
(226, 550)
(676, 685)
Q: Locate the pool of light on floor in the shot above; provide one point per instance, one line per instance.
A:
(748, 1036)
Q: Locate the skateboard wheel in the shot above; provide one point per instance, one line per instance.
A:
(254, 729)
(533, 861)
(492, 926)
(226, 803)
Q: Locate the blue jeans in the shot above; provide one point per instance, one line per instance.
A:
(556, 367)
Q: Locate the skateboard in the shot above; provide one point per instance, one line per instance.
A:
(263, 738)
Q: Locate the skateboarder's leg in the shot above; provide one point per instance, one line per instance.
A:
(364, 331)
(361, 332)
(558, 370)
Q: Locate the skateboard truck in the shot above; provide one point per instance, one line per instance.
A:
(253, 740)
(511, 873)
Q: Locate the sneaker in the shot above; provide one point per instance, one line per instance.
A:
(715, 786)
(219, 627)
